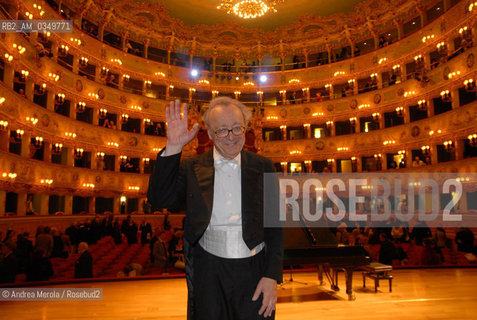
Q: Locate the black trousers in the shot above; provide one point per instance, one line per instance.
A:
(223, 288)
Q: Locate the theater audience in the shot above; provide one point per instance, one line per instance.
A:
(146, 232)
(23, 251)
(160, 252)
(387, 251)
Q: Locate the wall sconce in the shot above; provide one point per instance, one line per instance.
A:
(329, 124)
(441, 48)
(88, 185)
(123, 159)
(8, 57)
(378, 156)
(78, 153)
(426, 150)
(400, 111)
(422, 105)
(80, 107)
(126, 78)
(328, 87)
(351, 83)
(469, 85)
(171, 87)
(63, 50)
(397, 69)
(426, 38)
(160, 74)
(147, 122)
(216, 92)
(382, 60)
(93, 96)
(46, 181)
(453, 74)
(112, 144)
(123, 200)
(419, 59)
(402, 153)
(237, 94)
(3, 125)
(33, 120)
(19, 48)
(148, 84)
(376, 116)
(352, 121)
(60, 98)
(124, 118)
(354, 160)
(83, 61)
(465, 32)
(284, 165)
(103, 113)
(104, 71)
(446, 96)
(53, 76)
(70, 134)
(330, 162)
(283, 92)
(23, 75)
(339, 73)
(38, 142)
(9, 175)
(374, 76)
(449, 146)
(18, 135)
(473, 140)
(472, 6)
(100, 155)
(56, 148)
(117, 61)
(146, 161)
(41, 89)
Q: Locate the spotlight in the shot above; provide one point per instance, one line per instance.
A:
(194, 73)
(263, 78)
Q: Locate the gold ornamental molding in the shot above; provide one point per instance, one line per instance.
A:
(143, 20)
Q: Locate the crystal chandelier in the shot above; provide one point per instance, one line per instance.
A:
(249, 9)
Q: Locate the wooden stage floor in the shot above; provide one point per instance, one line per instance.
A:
(417, 294)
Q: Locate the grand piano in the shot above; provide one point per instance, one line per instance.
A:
(304, 245)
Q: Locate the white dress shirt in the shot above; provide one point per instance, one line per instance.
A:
(223, 237)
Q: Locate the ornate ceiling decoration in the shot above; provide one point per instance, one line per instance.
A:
(152, 21)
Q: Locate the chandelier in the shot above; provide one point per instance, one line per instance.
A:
(249, 9)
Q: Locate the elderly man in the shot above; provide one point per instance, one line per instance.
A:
(233, 262)
(84, 264)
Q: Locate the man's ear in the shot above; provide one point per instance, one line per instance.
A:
(210, 134)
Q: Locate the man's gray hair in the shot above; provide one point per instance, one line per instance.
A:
(226, 101)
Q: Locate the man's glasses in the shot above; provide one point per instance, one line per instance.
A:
(224, 132)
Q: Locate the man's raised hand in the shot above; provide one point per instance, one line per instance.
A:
(178, 133)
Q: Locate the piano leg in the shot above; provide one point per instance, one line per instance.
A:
(320, 274)
(349, 283)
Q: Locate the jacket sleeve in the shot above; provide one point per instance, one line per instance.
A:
(167, 183)
(273, 237)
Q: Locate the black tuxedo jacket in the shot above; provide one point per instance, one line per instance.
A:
(192, 183)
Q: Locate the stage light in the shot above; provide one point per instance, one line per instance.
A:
(263, 78)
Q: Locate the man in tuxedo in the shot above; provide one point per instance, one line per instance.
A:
(233, 261)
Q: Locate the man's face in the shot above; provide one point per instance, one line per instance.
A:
(226, 117)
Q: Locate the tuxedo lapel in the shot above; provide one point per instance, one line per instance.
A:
(251, 175)
(204, 172)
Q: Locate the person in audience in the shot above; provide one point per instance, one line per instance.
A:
(131, 270)
(418, 162)
(146, 232)
(440, 240)
(342, 235)
(39, 267)
(464, 239)
(8, 263)
(387, 252)
(29, 205)
(117, 231)
(58, 248)
(160, 252)
(23, 251)
(431, 255)
(420, 232)
(84, 264)
(45, 240)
